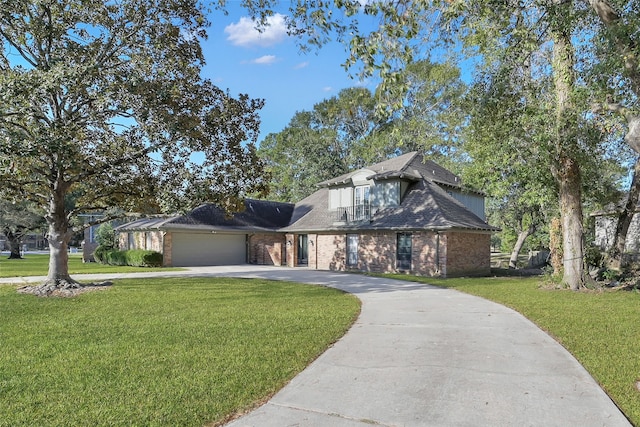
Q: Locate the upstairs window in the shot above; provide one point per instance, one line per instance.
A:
(361, 195)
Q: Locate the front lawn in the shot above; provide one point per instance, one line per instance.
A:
(601, 329)
(38, 265)
(160, 352)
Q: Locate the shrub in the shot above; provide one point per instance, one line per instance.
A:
(100, 254)
(134, 258)
(142, 258)
(116, 257)
(593, 256)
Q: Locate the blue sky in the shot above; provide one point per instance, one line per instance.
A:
(269, 65)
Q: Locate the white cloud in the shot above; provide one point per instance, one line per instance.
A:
(265, 60)
(244, 32)
(301, 65)
(327, 89)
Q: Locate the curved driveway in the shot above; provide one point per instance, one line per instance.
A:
(425, 356)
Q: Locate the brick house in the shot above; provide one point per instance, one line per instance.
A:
(404, 214)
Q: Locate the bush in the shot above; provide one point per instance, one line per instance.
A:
(141, 258)
(134, 258)
(100, 254)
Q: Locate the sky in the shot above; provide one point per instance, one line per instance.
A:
(270, 66)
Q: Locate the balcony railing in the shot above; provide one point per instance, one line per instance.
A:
(349, 214)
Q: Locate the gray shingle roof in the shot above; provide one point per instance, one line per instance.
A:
(426, 205)
(259, 215)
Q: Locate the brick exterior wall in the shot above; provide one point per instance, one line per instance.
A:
(468, 254)
(329, 252)
(267, 249)
(377, 252)
(444, 254)
(167, 245)
(428, 254)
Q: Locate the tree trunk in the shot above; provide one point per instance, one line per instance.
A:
(522, 236)
(566, 169)
(571, 217)
(555, 246)
(624, 221)
(59, 235)
(14, 240)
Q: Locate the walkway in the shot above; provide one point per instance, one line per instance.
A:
(425, 356)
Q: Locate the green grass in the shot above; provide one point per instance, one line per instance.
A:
(601, 329)
(160, 352)
(38, 265)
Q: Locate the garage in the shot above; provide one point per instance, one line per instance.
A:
(202, 249)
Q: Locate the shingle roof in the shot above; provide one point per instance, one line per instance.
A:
(425, 206)
(258, 215)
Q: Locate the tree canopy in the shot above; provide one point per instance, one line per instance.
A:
(105, 100)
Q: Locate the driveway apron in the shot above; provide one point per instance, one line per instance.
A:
(425, 356)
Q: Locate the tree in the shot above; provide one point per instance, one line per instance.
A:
(348, 131)
(320, 144)
(619, 95)
(299, 157)
(431, 118)
(16, 221)
(104, 100)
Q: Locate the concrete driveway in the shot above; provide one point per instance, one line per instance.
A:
(425, 356)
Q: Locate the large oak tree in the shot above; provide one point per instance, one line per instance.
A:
(104, 101)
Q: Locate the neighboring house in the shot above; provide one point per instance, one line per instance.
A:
(404, 214)
(605, 229)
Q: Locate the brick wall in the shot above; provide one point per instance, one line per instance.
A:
(266, 249)
(468, 254)
(377, 252)
(329, 252)
(167, 245)
(290, 250)
(428, 255)
(444, 254)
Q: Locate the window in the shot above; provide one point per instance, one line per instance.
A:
(403, 251)
(361, 203)
(361, 195)
(352, 250)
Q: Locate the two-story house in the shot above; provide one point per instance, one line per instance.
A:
(404, 214)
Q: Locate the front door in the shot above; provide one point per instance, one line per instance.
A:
(303, 249)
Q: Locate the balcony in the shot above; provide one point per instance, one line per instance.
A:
(352, 214)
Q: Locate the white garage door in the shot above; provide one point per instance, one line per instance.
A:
(193, 249)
